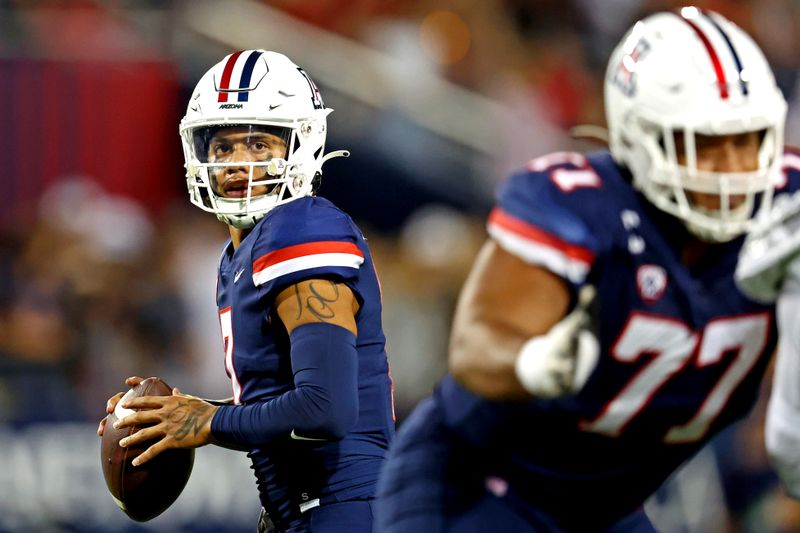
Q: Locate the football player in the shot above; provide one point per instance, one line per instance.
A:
(769, 271)
(298, 300)
(600, 340)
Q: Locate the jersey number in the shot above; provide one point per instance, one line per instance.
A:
(226, 324)
(567, 179)
(671, 344)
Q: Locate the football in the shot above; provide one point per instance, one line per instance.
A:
(142, 492)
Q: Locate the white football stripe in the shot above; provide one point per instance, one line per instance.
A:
(305, 262)
(121, 413)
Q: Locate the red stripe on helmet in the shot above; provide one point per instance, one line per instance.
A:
(225, 82)
(721, 80)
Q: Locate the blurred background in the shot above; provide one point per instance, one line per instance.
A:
(107, 271)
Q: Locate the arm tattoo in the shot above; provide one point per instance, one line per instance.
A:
(317, 303)
(299, 302)
(190, 421)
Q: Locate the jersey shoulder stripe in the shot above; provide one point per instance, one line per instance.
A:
(534, 245)
(306, 256)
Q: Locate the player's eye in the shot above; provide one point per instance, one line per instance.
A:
(221, 149)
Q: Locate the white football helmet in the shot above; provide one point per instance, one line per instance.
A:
(693, 72)
(255, 91)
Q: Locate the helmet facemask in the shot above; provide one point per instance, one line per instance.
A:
(243, 185)
(674, 183)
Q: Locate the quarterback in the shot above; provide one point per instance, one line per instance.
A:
(298, 301)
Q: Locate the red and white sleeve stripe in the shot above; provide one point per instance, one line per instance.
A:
(305, 256)
(538, 247)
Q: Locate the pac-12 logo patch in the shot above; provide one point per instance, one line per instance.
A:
(651, 281)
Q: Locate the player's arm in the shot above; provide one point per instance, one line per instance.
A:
(318, 301)
(504, 303)
(783, 413)
(319, 316)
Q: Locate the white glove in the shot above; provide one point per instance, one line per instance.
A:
(770, 248)
(559, 362)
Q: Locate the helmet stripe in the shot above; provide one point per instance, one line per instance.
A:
(247, 73)
(712, 54)
(225, 82)
(739, 68)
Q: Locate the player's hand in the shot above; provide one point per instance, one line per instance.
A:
(177, 421)
(112, 402)
(770, 247)
(559, 362)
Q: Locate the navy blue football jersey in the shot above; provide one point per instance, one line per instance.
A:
(682, 350)
(308, 238)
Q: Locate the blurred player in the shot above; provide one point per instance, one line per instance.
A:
(769, 271)
(299, 305)
(600, 340)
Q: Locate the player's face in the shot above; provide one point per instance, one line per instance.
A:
(242, 144)
(721, 153)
